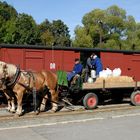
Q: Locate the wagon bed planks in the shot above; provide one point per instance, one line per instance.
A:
(109, 85)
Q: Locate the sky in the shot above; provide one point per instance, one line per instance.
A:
(70, 11)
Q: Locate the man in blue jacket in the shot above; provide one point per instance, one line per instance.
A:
(93, 63)
(77, 69)
(97, 64)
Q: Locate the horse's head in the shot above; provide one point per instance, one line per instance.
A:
(3, 73)
(3, 70)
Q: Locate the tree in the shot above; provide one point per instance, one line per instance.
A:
(45, 25)
(7, 16)
(16, 28)
(47, 38)
(55, 33)
(9, 33)
(46, 35)
(94, 22)
(82, 39)
(7, 11)
(26, 30)
(61, 33)
(109, 28)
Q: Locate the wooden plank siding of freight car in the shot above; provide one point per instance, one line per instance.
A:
(13, 56)
(128, 62)
(39, 59)
(63, 60)
(34, 59)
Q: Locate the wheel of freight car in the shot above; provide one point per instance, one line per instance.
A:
(135, 98)
(90, 101)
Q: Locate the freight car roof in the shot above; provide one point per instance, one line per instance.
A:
(67, 48)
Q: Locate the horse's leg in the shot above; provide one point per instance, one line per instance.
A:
(19, 96)
(54, 99)
(9, 105)
(13, 108)
(11, 101)
(43, 103)
(8, 101)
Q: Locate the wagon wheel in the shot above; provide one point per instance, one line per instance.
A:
(90, 101)
(135, 98)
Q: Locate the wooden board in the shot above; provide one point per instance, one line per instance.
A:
(108, 85)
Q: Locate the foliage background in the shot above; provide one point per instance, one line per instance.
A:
(111, 28)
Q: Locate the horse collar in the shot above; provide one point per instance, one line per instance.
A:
(13, 81)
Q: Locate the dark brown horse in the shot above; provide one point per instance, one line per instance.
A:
(25, 81)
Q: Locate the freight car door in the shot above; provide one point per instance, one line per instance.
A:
(34, 60)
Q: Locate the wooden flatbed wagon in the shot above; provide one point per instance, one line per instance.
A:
(117, 90)
(91, 94)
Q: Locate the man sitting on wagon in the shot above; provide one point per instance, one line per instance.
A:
(77, 69)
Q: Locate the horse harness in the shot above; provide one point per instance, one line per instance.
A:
(10, 83)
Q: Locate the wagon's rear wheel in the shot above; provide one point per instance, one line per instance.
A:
(90, 101)
(135, 98)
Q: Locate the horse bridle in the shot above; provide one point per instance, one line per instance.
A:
(6, 81)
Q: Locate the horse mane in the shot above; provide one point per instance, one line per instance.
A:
(11, 69)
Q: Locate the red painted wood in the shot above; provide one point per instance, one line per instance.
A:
(14, 56)
(37, 59)
(34, 59)
(129, 63)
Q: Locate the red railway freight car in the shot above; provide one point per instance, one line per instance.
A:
(38, 58)
(62, 58)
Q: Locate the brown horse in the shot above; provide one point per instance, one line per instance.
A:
(20, 82)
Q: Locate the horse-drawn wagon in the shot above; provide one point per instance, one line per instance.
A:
(17, 81)
(91, 94)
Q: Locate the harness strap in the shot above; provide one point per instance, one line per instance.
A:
(25, 86)
(33, 90)
(15, 78)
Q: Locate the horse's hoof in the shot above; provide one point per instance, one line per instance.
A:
(8, 109)
(18, 114)
(54, 109)
(37, 112)
(51, 111)
(12, 110)
(42, 109)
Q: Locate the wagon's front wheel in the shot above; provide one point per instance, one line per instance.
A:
(135, 98)
(90, 101)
